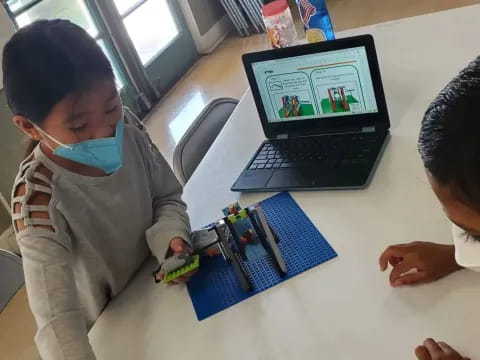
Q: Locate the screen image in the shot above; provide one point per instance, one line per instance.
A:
(327, 84)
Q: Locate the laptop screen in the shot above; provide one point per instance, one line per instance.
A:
(322, 85)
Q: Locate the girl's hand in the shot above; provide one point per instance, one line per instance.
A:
(432, 350)
(177, 247)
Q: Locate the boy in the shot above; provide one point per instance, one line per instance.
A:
(449, 144)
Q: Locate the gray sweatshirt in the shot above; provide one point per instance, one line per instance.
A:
(82, 249)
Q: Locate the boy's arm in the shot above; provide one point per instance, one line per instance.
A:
(418, 262)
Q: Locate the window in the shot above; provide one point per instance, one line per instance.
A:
(150, 24)
(24, 12)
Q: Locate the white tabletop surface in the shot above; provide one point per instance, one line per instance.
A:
(345, 308)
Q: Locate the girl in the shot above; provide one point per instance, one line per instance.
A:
(94, 197)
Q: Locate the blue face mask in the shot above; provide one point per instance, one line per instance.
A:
(105, 154)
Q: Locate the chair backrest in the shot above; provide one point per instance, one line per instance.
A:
(200, 136)
(11, 276)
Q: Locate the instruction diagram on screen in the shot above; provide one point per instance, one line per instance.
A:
(321, 85)
(276, 86)
(339, 97)
(338, 90)
(291, 95)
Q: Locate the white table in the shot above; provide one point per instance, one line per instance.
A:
(343, 309)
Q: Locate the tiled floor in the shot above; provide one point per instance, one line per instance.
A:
(221, 73)
(17, 329)
(216, 75)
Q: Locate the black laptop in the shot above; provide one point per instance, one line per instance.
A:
(323, 111)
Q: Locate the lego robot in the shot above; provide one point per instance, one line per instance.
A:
(233, 237)
(233, 243)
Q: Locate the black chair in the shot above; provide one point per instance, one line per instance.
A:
(11, 276)
(200, 136)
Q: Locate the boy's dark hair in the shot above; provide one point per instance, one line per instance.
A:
(46, 61)
(449, 141)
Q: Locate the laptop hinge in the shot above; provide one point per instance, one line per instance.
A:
(282, 136)
(368, 129)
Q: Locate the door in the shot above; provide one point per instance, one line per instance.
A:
(161, 38)
(155, 31)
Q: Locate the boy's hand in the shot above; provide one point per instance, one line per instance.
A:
(432, 350)
(177, 247)
(418, 262)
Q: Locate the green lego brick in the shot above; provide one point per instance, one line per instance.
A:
(243, 214)
(183, 270)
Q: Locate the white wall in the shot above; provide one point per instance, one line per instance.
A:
(215, 23)
(6, 31)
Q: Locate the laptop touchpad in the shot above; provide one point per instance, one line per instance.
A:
(292, 178)
(253, 179)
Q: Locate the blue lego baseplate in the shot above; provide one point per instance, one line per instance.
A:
(215, 288)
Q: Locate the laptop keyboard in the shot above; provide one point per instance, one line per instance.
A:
(314, 151)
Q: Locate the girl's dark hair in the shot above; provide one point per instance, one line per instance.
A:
(449, 141)
(46, 61)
